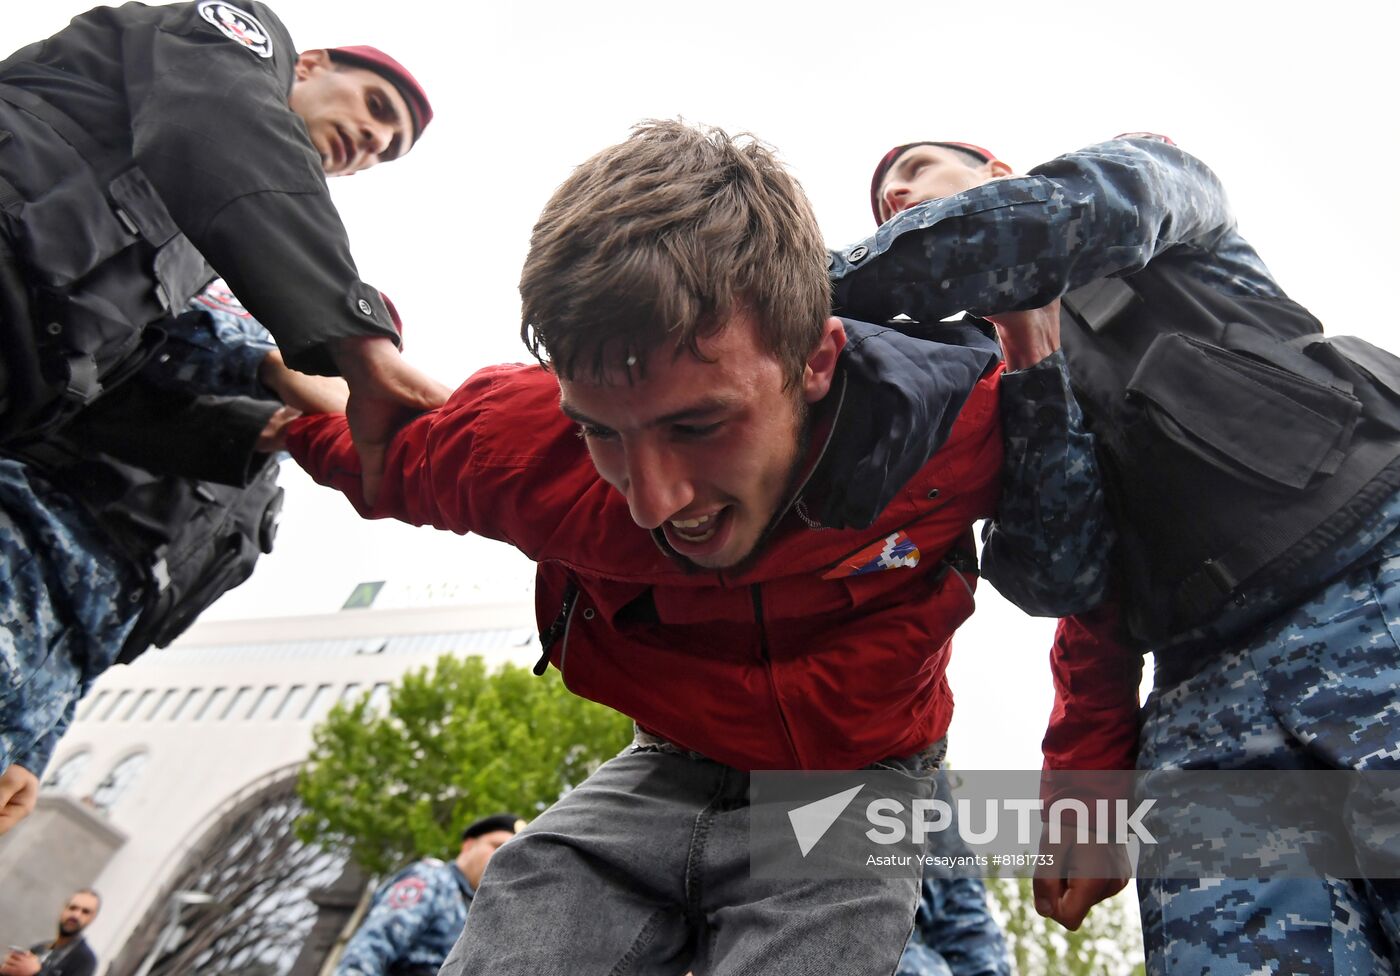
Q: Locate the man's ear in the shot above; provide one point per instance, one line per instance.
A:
(309, 61)
(821, 364)
(999, 170)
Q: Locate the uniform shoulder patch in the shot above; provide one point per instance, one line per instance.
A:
(406, 893)
(238, 26)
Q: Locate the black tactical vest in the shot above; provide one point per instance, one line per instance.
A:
(1237, 441)
(212, 535)
(89, 257)
(192, 541)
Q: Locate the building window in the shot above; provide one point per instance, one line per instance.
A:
(139, 704)
(186, 706)
(264, 703)
(379, 698)
(110, 790)
(239, 700)
(291, 703)
(118, 702)
(319, 704)
(351, 691)
(90, 707)
(61, 779)
(210, 707)
(167, 698)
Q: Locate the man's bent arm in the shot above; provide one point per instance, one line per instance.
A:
(1022, 242)
(1048, 550)
(488, 461)
(257, 209)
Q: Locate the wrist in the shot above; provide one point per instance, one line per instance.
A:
(358, 356)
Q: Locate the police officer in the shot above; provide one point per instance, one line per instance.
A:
(1254, 465)
(117, 531)
(104, 231)
(418, 914)
(139, 143)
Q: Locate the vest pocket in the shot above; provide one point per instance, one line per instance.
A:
(1242, 415)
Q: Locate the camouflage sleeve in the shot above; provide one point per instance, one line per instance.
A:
(36, 757)
(401, 910)
(1022, 242)
(1048, 549)
(213, 347)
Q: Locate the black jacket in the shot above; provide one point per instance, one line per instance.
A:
(206, 120)
(74, 959)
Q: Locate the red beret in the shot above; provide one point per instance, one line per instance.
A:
(364, 56)
(888, 160)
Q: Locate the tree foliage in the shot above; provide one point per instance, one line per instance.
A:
(455, 744)
(1109, 943)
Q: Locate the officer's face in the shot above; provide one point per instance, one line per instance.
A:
(930, 173)
(80, 910)
(355, 117)
(477, 851)
(704, 449)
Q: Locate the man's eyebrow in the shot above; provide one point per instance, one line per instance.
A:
(702, 409)
(573, 414)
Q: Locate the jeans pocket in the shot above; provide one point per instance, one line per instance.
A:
(923, 764)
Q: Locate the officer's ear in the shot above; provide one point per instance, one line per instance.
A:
(999, 170)
(309, 62)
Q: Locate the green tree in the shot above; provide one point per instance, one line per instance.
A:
(1109, 943)
(456, 743)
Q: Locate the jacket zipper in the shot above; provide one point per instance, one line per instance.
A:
(757, 591)
(558, 630)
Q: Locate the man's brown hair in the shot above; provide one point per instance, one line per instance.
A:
(660, 239)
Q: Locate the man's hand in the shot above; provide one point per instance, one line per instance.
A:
(20, 963)
(274, 433)
(302, 391)
(385, 393)
(1028, 337)
(1065, 891)
(19, 791)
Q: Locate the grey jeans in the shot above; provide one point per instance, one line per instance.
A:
(644, 869)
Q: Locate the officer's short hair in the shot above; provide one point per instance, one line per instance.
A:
(653, 243)
(89, 891)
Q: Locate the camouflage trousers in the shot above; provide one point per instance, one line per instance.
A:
(65, 608)
(954, 932)
(1315, 689)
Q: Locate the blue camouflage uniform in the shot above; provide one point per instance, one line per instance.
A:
(1297, 675)
(68, 597)
(954, 931)
(416, 917)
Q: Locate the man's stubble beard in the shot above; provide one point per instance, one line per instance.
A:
(794, 476)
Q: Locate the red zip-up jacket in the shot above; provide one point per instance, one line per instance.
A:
(799, 660)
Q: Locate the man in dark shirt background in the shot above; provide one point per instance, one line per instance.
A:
(66, 955)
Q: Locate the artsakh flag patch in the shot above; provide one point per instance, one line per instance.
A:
(895, 551)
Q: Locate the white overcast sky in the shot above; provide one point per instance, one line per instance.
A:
(1291, 103)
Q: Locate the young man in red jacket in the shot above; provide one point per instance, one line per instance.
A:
(753, 529)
